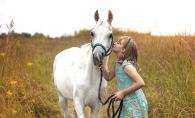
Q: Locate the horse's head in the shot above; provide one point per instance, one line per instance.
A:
(102, 38)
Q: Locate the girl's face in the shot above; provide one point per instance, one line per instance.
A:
(118, 47)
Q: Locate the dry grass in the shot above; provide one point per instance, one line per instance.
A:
(167, 67)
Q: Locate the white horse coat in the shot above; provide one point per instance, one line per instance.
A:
(75, 75)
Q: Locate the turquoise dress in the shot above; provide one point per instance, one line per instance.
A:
(133, 101)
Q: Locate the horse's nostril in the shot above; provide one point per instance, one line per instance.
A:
(102, 54)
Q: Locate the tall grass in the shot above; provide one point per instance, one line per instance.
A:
(26, 77)
(168, 69)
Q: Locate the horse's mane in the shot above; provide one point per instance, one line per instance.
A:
(85, 45)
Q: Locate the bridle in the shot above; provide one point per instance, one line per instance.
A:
(108, 52)
(112, 100)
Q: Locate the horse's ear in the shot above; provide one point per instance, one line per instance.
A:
(110, 16)
(96, 16)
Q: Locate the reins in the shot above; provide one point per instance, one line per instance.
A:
(111, 102)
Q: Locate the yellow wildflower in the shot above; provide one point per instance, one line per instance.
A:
(13, 82)
(29, 64)
(194, 92)
(3, 54)
(14, 111)
(9, 93)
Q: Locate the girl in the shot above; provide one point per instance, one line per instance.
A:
(128, 80)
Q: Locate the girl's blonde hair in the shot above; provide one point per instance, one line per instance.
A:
(130, 53)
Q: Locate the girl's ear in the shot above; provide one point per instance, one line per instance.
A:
(123, 50)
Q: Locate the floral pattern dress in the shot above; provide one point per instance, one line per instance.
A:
(135, 104)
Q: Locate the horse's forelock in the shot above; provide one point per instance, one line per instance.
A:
(104, 24)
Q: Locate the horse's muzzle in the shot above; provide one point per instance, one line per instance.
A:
(98, 55)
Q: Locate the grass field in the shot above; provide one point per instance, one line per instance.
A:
(26, 75)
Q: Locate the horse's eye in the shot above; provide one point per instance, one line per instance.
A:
(92, 34)
(110, 36)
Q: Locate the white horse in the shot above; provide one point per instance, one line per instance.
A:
(76, 71)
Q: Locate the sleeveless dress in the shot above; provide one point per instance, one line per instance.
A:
(133, 101)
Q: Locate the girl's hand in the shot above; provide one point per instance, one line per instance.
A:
(118, 96)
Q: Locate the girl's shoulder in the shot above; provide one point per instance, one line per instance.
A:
(127, 62)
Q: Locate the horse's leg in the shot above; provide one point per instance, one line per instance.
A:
(94, 110)
(64, 105)
(79, 108)
(75, 113)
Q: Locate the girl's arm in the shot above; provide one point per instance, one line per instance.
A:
(106, 74)
(139, 83)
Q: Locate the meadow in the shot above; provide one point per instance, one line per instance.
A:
(26, 74)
